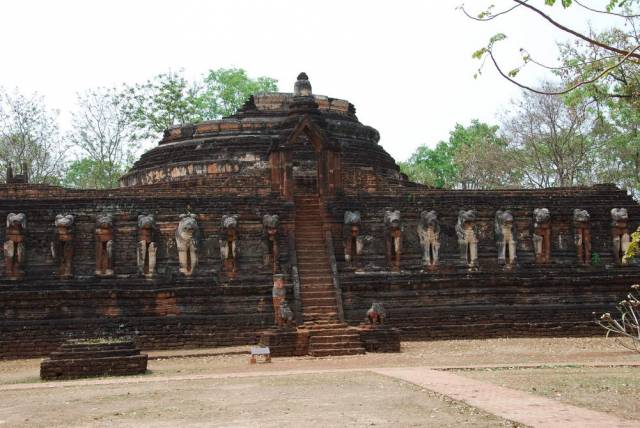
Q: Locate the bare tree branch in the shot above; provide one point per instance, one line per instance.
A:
(605, 12)
(571, 88)
(587, 39)
(490, 17)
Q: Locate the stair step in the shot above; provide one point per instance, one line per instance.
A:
(314, 304)
(307, 259)
(317, 346)
(316, 309)
(317, 263)
(312, 275)
(315, 278)
(312, 289)
(319, 303)
(312, 307)
(316, 284)
(319, 315)
(338, 338)
(318, 277)
(305, 275)
(336, 327)
(318, 294)
(314, 300)
(336, 352)
(317, 287)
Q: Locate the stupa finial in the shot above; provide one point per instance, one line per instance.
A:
(302, 88)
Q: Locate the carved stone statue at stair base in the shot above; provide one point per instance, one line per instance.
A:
(506, 237)
(393, 238)
(147, 248)
(187, 244)
(620, 233)
(429, 234)
(229, 243)
(14, 247)
(286, 315)
(353, 241)
(542, 235)
(104, 245)
(271, 251)
(376, 314)
(582, 236)
(278, 294)
(62, 245)
(467, 232)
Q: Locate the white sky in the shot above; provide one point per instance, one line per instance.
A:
(406, 65)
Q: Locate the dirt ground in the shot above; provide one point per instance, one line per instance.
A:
(453, 353)
(613, 390)
(327, 400)
(171, 394)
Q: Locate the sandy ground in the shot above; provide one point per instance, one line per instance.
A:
(613, 390)
(327, 400)
(454, 353)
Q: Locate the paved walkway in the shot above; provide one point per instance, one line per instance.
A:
(517, 406)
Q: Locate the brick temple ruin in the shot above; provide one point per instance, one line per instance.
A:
(293, 190)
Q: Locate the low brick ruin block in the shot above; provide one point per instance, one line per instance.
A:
(380, 338)
(78, 359)
(287, 342)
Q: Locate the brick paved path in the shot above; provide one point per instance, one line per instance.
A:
(518, 406)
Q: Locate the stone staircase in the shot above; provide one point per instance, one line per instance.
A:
(328, 335)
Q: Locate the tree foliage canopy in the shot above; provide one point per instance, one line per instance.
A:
(111, 124)
(597, 88)
(472, 158)
(170, 99)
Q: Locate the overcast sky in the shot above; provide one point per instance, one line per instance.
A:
(406, 65)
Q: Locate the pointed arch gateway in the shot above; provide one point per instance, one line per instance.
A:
(328, 157)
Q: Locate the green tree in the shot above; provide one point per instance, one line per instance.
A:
(433, 167)
(29, 134)
(166, 100)
(110, 125)
(226, 89)
(613, 100)
(88, 173)
(169, 99)
(474, 157)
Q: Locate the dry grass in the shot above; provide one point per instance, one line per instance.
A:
(614, 390)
